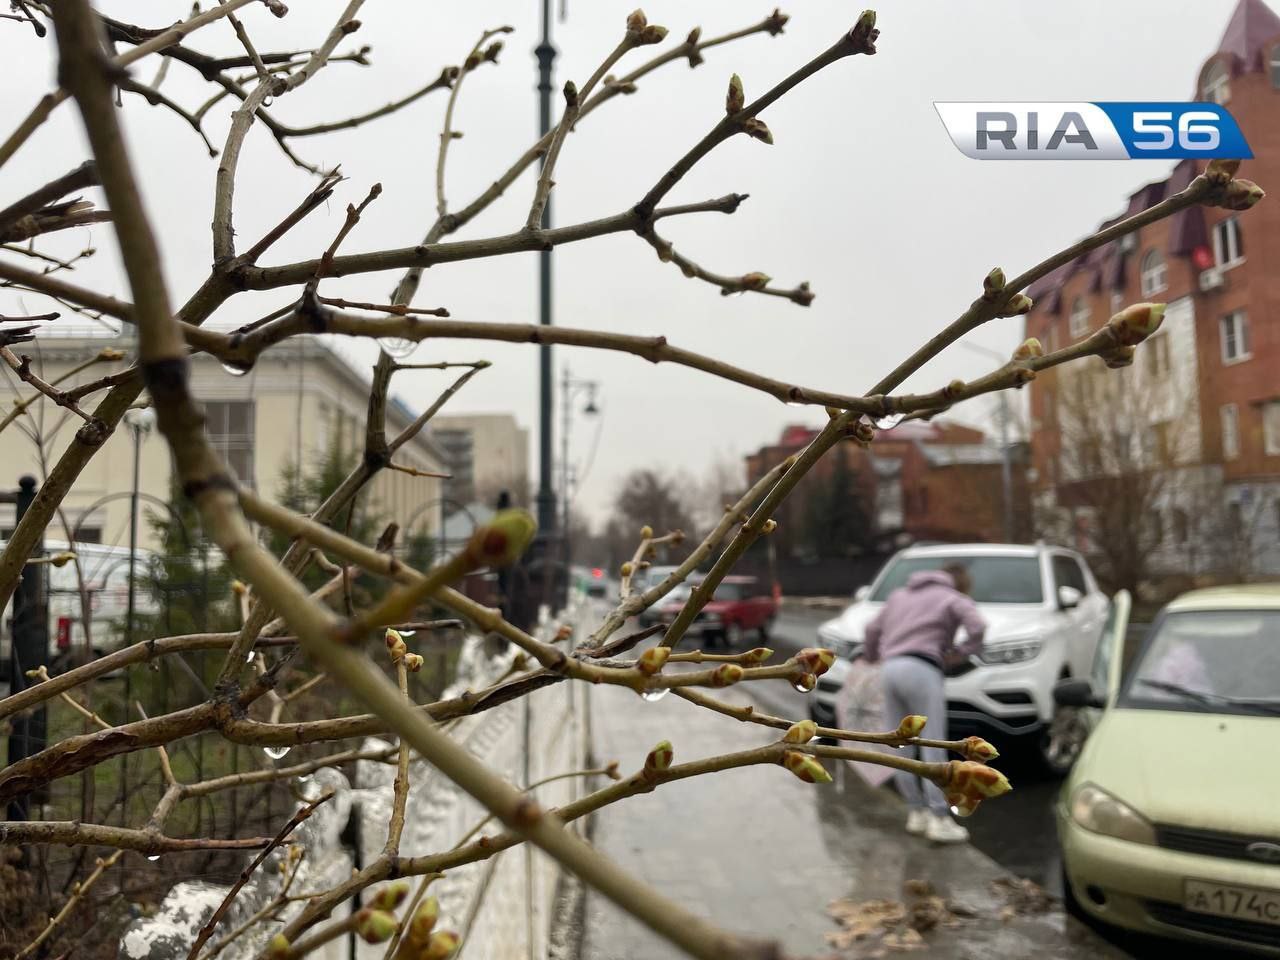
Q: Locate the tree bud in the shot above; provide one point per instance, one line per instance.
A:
(652, 660)
(775, 22)
(375, 926)
(757, 129)
(769, 526)
(1241, 195)
(912, 725)
(805, 767)
(423, 921)
(395, 645)
(637, 21)
(646, 532)
(239, 588)
(802, 731)
(736, 98)
(110, 354)
(652, 34)
(966, 784)
(627, 568)
(278, 947)
(1018, 304)
(500, 542)
(993, 284)
(413, 662)
(1136, 322)
(390, 896)
(570, 93)
(816, 660)
(1027, 349)
(757, 655)
(755, 280)
(1221, 170)
(442, 945)
(978, 750)
(726, 675)
(659, 758)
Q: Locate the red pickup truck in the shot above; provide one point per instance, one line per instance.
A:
(741, 604)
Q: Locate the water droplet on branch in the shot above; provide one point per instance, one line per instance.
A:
(236, 369)
(888, 421)
(154, 857)
(275, 753)
(396, 347)
(653, 696)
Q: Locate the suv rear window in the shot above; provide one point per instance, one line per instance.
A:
(995, 579)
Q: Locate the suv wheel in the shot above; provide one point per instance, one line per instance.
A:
(1061, 741)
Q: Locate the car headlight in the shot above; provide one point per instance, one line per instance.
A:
(844, 648)
(1013, 651)
(1099, 812)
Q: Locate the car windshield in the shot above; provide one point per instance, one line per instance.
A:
(731, 591)
(1220, 661)
(995, 579)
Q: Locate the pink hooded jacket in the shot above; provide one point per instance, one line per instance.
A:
(921, 619)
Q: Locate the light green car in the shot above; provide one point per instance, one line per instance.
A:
(1170, 819)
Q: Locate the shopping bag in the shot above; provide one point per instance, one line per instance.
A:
(860, 706)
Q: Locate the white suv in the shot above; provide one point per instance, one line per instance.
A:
(1044, 615)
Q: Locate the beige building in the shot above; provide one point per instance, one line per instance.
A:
(298, 400)
(487, 453)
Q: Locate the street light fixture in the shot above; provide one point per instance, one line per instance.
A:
(569, 386)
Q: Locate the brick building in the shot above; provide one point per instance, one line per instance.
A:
(1196, 421)
(918, 481)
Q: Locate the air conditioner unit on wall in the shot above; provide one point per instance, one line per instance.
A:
(1211, 279)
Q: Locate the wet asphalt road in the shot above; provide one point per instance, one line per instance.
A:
(1023, 839)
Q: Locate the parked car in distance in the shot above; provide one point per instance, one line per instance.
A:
(1044, 613)
(650, 577)
(1169, 823)
(741, 605)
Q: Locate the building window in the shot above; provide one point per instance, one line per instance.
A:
(1157, 351)
(1235, 518)
(1155, 275)
(1235, 337)
(1271, 428)
(1157, 527)
(1230, 431)
(1117, 301)
(1180, 526)
(1228, 246)
(230, 427)
(1079, 317)
(1217, 83)
(1275, 66)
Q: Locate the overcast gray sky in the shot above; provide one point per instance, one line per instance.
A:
(863, 194)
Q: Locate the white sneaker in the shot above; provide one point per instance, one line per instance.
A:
(917, 822)
(942, 829)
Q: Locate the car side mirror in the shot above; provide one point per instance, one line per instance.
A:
(1076, 692)
(1069, 598)
(862, 593)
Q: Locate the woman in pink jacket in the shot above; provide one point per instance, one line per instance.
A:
(913, 636)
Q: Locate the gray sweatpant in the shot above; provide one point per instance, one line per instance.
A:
(913, 686)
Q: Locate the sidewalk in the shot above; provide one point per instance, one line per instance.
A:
(758, 851)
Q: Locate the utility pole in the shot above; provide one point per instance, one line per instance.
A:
(30, 647)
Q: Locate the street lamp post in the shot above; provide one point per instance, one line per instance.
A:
(1006, 463)
(140, 423)
(546, 502)
(569, 385)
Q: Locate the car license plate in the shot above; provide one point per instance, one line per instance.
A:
(1238, 903)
